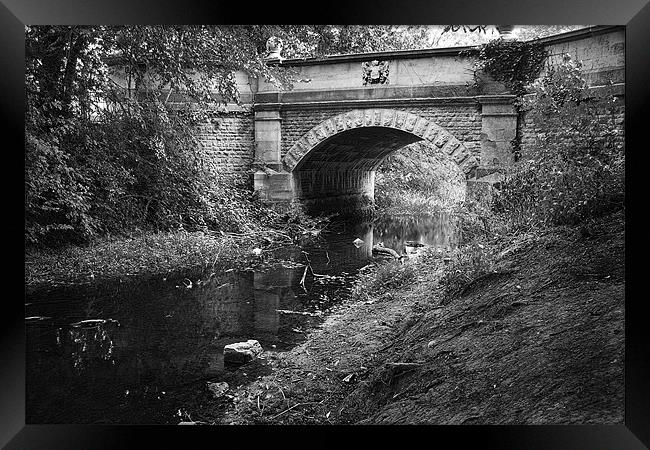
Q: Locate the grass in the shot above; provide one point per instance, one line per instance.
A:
(406, 202)
(139, 254)
(387, 276)
(146, 254)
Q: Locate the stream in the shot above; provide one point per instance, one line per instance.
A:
(141, 351)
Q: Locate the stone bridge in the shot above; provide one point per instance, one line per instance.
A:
(333, 163)
(322, 141)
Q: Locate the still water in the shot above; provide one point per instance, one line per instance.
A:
(141, 351)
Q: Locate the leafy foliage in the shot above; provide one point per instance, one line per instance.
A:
(316, 40)
(418, 174)
(514, 63)
(572, 174)
(104, 158)
(576, 167)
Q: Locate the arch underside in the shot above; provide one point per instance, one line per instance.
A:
(343, 166)
(334, 164)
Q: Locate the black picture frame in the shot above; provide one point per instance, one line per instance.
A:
(634, 14)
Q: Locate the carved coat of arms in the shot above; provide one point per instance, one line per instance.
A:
(375, 72)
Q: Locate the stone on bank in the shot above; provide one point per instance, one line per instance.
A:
(241, 352)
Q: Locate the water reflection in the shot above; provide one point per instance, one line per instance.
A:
(397, 232)
(136, 352)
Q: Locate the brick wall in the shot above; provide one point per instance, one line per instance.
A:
(603, 61)
(602, 56)
(462, 121)
(535, 133)
(229, 141)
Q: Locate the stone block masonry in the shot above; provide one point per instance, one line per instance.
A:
(462, 121)
(602, 54)
(536, 134)
(228, 141)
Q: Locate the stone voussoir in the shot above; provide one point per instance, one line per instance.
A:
(391, 118)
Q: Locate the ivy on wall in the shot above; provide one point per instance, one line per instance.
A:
(513, 63)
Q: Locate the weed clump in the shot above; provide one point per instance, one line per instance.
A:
(389, 276)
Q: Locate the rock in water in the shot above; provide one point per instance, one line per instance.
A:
(414, 244)
(379, 249)
(241, 352)
(218, 389)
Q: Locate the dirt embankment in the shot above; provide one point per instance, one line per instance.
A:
(539, 341)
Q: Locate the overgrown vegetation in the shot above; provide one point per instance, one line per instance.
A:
(105, 158)
(418, 179)
(575, 168)
(572, 174)
(383, 278)
(513, 63)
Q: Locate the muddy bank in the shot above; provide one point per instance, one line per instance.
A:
(538, 341)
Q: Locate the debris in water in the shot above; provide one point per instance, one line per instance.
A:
(302, 313)
(36, 318)
(414, 244)
(91, 322)
(357, 242)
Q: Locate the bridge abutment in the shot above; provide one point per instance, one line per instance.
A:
(270, 181)
(268, 139)
(498, 129)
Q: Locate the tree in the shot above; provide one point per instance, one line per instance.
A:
(100, 159)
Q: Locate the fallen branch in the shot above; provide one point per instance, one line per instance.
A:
(302, 280)
(296, 405)
(404, 365)
(302, 313)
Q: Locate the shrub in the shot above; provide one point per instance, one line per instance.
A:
(474, 221)
(417, 178)
(389, 276)
(468, 263)
(575, 168)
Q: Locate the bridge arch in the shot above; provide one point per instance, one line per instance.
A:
(333, 165)
(412, 126)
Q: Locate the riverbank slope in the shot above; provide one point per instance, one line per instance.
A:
(539, 340)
